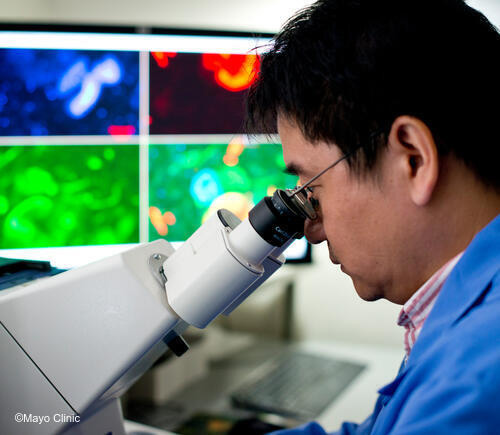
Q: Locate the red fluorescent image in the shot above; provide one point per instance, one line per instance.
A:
(234, 72)
(162, 58)
(200, 93)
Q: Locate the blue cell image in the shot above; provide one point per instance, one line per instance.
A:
(206, 186)
(68, 92)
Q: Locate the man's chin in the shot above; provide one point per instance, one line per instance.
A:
(367, 293)
(368, 297)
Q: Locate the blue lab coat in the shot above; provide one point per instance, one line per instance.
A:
(451, 382)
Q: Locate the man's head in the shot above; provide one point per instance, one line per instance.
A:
(409, 90)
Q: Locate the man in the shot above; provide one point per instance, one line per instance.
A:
(403, 95)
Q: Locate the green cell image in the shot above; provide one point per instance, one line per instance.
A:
(68, 195)
(187, 183)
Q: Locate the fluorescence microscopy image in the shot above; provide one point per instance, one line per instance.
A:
(199, 93)
(68, 92)
(187, 183)
(63, 195)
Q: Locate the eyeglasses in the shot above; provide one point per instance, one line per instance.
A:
(300, 194)
(298, 189)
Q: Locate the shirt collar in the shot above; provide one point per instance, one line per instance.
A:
(418, 307)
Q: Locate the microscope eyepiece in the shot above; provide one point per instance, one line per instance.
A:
(279, 218)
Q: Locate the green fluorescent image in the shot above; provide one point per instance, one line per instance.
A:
(68, 195)
(187, 183)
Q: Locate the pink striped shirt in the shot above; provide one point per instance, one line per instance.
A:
(418, 307)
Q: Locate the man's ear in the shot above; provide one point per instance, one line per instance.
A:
(412, 143)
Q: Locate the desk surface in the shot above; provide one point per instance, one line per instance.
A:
(233, 356)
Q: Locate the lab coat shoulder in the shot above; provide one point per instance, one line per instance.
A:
(454, 384)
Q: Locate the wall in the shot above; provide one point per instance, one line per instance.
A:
(255, 15)
(258, 15)
(23, 10)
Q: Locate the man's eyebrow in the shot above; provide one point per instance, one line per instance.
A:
(293, 169)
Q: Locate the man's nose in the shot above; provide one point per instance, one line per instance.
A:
(314, 230)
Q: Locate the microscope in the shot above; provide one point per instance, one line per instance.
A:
(73, 343)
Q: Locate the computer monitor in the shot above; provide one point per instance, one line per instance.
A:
(115, 136)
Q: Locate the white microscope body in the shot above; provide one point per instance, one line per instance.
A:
(73, 343)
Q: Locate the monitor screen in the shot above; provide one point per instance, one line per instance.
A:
(110, 138)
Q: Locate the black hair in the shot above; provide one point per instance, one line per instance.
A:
(344, 70)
